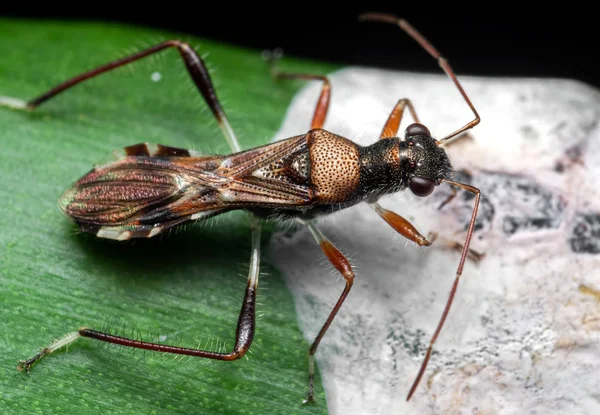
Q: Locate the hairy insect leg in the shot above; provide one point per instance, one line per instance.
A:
(342, 264)
(406, 229)
(402, 226)
(243, 336)
(55, 345)
(324, 98)
(193, 62)
(14, 103)
(442, 62)
(390, 129)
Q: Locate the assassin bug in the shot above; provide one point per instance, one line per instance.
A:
(151, 188)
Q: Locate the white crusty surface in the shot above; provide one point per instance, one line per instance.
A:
(523, 335)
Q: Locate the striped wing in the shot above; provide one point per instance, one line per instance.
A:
(152, 188)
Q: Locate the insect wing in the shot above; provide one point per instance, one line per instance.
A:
(139, 196)
(148, 191)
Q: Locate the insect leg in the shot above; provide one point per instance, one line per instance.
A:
(420, 39)
(324, 99)
(340, 262)
(406, 229)
(194, 64)
(390, 129)
(459, 270)
(450, 197)
(402, 226)
(243, 337)
(472, 254)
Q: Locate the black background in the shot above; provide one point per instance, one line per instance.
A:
(491, 39)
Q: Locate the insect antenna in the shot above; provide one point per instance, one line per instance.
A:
(459, 270)
(443, 62)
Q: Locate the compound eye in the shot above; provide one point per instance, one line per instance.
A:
(421, 187)
(417, 129)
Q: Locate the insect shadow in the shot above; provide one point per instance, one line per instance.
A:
(172, 255)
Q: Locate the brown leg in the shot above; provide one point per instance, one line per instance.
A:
(450, 197)
(402, 226)
(193, 62)
(324, 99)
(412, 32)
(472, 254)
(463, 258)
(340, 262)
(453, 245)
(243, 337)
(393, 123)
(468, 136)
(406, 229)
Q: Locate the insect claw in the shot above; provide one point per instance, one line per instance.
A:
(310, 400)
(431, 237)
(23, 366)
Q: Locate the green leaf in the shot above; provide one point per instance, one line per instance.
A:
(185, 287)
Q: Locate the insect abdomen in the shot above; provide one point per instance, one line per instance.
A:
(113, 194)
(136, 197)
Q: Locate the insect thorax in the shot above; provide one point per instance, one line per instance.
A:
(343, 174)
